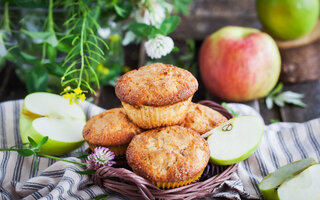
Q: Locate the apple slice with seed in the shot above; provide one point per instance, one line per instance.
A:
(305, 185)
(269, 184)
(45, 114)
(235, 140)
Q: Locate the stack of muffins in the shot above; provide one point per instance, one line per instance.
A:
(158, 128)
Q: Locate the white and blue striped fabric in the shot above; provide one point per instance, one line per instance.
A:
(282, 143)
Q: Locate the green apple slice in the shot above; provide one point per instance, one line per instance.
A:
(269, 184)
(235, 140)
(306, 185)
(45, 114)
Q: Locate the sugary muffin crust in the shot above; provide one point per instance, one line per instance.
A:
(110, 128)
(156, 85)
(168, 154)
(202, 119)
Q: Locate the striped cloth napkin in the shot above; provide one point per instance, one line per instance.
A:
(282, 143)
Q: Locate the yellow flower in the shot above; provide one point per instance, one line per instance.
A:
(83, 97)
(67, 89)
(115, 38)
(66, 96)
(102, 69)
(72, 96)
(77, 91)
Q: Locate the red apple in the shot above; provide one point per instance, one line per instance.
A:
(239, 64)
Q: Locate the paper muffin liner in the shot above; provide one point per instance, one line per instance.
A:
(148, 117)
(117, 150)
(171, 185)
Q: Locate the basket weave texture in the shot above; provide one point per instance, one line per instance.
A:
(127, 183)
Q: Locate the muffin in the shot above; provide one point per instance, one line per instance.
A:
(111, 129)
(202, 119)
(169, 157)
(156, 95)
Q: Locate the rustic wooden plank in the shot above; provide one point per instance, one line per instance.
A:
(207, 16)
(301, 63)
(268, 115)
(311, 90)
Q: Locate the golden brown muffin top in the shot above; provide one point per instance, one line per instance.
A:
(202, 119)
(168, 154)
(110, 128)
(156, 85)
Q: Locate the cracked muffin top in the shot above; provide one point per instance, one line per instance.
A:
(168, 154)
(156, 85)
(110, 128)
(202, 119)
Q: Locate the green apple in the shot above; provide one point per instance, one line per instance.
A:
(235, 140)
(288, 19)
(269, 184)
(306, 185)
(46, 114)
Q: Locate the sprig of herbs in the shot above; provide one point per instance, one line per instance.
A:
(281, 98)
(33, 148)
(87, 47)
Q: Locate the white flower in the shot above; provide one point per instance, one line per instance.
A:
(3, 49)
(159, 46)
(104, 32)
(146, 16)
(128, 38)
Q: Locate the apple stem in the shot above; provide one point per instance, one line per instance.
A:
(61, 159)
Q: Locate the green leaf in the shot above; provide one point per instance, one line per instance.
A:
(52, 53)
(48, 37)
(296, 102)
(143, 30)
(31, 3)
(37, 79)
(169, 25)
(225, 105)
(28, 57)
(88, 172)
(291, 95)
(25, 152)
(126, 10)
(269, 103)
(43, 141)
(120, 11)
(63, 47)
(32, 142)
(181, 6)
(276, 90)
(54, 69)
(274, 120)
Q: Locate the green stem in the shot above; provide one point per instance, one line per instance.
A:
(50, 18)
(7, 149)
(44, 47)
(81, 50)
(6, 17)
(61, 159)
(48, 156)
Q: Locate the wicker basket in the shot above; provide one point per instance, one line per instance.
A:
(127, 183)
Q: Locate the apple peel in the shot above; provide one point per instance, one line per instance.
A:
(44, 114)
(235, 140)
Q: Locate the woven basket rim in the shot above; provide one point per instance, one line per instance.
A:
(129, 184)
